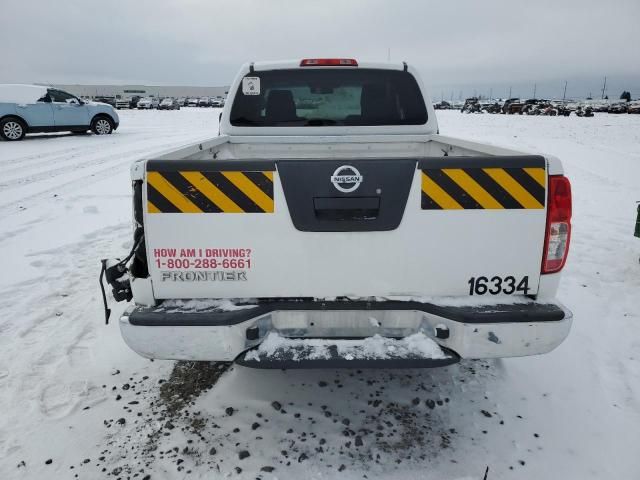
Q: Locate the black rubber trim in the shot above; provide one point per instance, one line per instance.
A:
(211, 165)
(60, 128)
(336, 361)
(512, 313)
(506, 161)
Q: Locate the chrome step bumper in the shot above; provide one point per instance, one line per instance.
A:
(208, 334)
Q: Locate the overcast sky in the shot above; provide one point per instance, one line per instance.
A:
(463, 45)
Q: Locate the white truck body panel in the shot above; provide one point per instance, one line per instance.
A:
(431, 253)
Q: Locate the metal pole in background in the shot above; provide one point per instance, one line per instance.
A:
(604, 87)
(564, 95)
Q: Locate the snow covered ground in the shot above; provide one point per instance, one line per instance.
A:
(76, 403)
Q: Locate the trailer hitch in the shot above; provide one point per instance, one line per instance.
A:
(116, 274)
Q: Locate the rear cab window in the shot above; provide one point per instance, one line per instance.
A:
(308, 97)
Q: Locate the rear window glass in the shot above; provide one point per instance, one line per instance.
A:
(318, 97)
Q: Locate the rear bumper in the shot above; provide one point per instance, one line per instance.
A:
(197, 332)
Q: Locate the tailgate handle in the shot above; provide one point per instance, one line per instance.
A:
(346, 208)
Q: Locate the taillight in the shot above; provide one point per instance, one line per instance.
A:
(558, 234)
(328, 62)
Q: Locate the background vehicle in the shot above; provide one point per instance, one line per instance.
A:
(169, 104)
(34, 108)
(108, 100)
(443, 105)
(472, 105)
(618, 108)
(491, 107)
(148, 103)
(122, 103)
(133, 101)
(203, 102)
(584, 112)
(217, 102)
(192, 102)
(330, 208)
(512, 106)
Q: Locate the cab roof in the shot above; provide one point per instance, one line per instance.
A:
(292, 64)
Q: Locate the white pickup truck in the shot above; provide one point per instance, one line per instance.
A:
(331, 225)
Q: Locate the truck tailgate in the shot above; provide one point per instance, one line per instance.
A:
(437, 226)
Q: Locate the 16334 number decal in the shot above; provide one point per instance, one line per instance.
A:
(498, 285)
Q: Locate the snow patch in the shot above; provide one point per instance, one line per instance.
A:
(223, 304)
(370, 348)
(470, 301)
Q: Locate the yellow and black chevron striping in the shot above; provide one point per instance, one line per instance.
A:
(210, 192)
(483, 188)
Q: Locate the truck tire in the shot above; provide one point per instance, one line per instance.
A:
(102, 125)
(12, 128)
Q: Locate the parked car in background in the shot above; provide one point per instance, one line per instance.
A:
(600, 107)
(148, 103)
(192, 102)
(584, 112)
(169, 104)
(443, 105)
(203, 102)
(133, 101)
(512, 106)
(618, 108)
(472, 105)
(122, 103)
(490, 107)
(183, 101)
(106, 99)
(35, 108)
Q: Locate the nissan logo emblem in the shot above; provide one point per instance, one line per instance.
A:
(346, 178)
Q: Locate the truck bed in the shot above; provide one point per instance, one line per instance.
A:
(345, 146)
